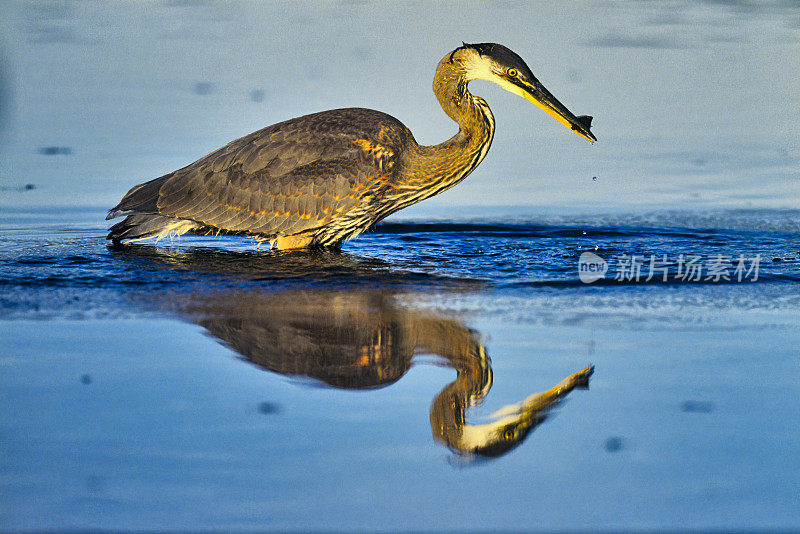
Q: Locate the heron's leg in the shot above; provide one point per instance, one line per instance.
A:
(289, 242)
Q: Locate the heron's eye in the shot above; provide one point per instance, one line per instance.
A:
(512, 73)
(508, 435)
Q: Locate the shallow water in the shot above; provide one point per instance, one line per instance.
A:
(205, 384)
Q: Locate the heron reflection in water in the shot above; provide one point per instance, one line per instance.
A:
(317, 180)
(363, 339)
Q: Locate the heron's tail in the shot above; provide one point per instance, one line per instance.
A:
(147, 225)
(142, 198)
(143, 221)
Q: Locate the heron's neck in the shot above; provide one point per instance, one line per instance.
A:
(433, 169)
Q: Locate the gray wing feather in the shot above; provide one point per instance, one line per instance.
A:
(287, 178)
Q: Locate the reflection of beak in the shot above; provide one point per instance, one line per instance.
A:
(536, 93)
(542, 401)
(512, 423)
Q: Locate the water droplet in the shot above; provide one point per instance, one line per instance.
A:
(614, 444)
(55, 150)
(257, 95)
(697, 406)
(203, 88)
(269, 408)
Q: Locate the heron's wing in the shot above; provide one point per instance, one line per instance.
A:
(306, 197)
(287, 178)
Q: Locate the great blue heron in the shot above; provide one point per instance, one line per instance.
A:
(323, 178)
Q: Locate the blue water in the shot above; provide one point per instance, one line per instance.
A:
(203, 383)
(44, 250)
(206, 384)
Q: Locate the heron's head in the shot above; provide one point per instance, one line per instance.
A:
(498, 437)
(498, 64)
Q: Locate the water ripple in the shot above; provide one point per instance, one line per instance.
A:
(71, 269)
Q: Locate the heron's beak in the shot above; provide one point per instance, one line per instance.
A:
(536, 93)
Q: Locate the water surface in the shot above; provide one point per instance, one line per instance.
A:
(204, 383)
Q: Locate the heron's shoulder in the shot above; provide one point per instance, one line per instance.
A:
(317, 138)
(358, 122)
